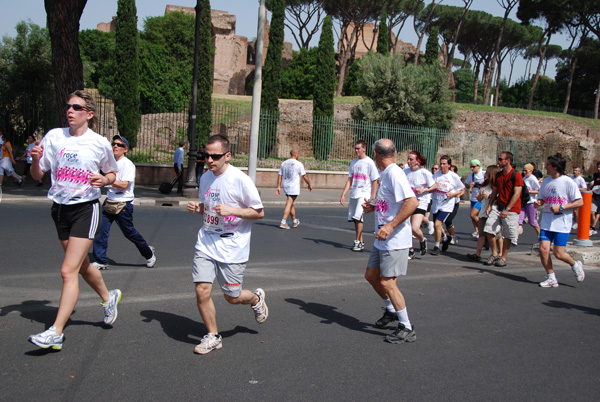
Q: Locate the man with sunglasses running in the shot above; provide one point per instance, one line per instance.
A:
(118, 207)
(229, 202)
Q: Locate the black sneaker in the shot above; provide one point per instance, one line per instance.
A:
(401, 335)
(423, 246)
(411, 254)
(436, 251)
(446, 243)
(474, 257)
(386, 319)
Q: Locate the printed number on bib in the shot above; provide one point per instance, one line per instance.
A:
(213, 222)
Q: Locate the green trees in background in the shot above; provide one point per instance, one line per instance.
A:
(325, 82)
(167, 62)
(404, 94)
(28, 100)
(99, 63)
(272, 78)
(432, 47)
(383, 45)
(206, 52)
(127, 95)
(298, 79)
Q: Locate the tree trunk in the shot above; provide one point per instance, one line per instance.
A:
(597, 102)
(572, 66)
(476, 83)
(344, 57)
(537, 74)
(488, 74)
(63, 26)
(498, 76)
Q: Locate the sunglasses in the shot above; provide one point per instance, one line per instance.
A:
(119, 144)
(75, 107)
(215, 157)
(473, 167)
(501, 159)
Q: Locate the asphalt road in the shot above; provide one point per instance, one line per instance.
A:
(483, 333)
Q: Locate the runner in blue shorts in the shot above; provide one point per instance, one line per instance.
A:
(559, 196)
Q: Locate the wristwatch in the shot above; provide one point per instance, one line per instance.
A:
(561, 208)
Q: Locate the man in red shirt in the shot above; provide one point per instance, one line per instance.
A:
(504, 209)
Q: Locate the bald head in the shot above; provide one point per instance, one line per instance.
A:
(294, 153)
(385, 148)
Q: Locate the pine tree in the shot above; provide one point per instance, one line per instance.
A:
(272, 80)
(127, 95)
(206, 53)
(432, 48)
(323, 106)
(383, 46)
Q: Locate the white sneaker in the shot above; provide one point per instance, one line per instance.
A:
(151, 262)
(593, 232)
(110, 307)
(48, 339)
(475, 234)
(578, 271)
(209, 343)
(575, 226)
(549, 283)
(261, 311)
(100, 266)
(454, 240)
(358, 246)
(431, 228)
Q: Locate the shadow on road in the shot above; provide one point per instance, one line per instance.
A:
(497, 272)
(569, 306)
(330, 316)
(328, 243)
(185, 330)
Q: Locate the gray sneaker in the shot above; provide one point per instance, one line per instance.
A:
(401, 335)
(261, 311)
(209, 343)
(151, 262)
(110, 307)
(48, 339)
(578, 271)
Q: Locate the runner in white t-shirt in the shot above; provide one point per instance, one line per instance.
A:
(419, 179)
(229, 203)
(393, 206)
(75, 155)
(27, 156)
(121, 192)
(446, 191)
(362, 183)
(474, 181)
(289, 175)
(558, 195)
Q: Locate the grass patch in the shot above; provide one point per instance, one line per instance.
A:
(591, 123)
(349, 100)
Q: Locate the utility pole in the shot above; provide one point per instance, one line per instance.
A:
(256, 92)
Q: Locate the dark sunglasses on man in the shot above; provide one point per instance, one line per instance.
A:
(119, 144)
(215, 157)
(75, 107)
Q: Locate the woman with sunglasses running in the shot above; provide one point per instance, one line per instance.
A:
(75, 155)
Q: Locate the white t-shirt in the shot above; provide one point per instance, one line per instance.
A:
(580, 181)
(392, 191)
(363, 173)
(485, 202)
(72, 160)
(291, 170)
(28, 152)
(226, 238)
(478, 179)
(558, 191)
(126, 173)
(420, 178)
(532, 184)
(447, 183)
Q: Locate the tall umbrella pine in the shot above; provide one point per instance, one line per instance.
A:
(325, 83)
(206, 52)
(267, 134)
(127, 94)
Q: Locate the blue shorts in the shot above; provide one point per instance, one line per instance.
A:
(560, 239)
(476, 205)
(441, 216)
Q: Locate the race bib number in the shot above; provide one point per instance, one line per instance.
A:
(213, 222)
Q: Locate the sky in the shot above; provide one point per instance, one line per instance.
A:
(246, 12)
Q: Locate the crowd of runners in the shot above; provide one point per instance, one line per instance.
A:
(404, 202)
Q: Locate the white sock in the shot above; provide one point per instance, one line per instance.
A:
(552, 276)
(437, 244)
(403, 318)
(283, 221)
(389, 306)
(296, 221)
